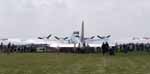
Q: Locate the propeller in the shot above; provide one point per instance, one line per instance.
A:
(48, 36)
(92, 37)
(108, 36)
(100, 37)
(57, 38)
(103, 37)
(65, 38)
(45, 37)
(40, 38)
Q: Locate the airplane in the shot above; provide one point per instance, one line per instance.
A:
(76, 40)
(80, 41)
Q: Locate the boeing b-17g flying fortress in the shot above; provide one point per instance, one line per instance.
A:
(77, 39)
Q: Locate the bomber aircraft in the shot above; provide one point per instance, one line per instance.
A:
(76, 40)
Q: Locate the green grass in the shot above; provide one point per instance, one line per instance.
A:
(54, 63)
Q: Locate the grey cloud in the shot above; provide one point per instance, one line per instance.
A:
(31, 18)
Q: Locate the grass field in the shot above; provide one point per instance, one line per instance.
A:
(54, 63)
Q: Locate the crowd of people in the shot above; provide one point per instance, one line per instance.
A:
(104, 49)
(125, 48)
(131, 47)
(11, 48)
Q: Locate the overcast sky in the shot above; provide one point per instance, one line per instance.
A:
(33, 18)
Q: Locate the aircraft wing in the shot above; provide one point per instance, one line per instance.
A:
(97, 40)
(34, 41)
(61, 45)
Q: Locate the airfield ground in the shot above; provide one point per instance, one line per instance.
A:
(61, 63)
